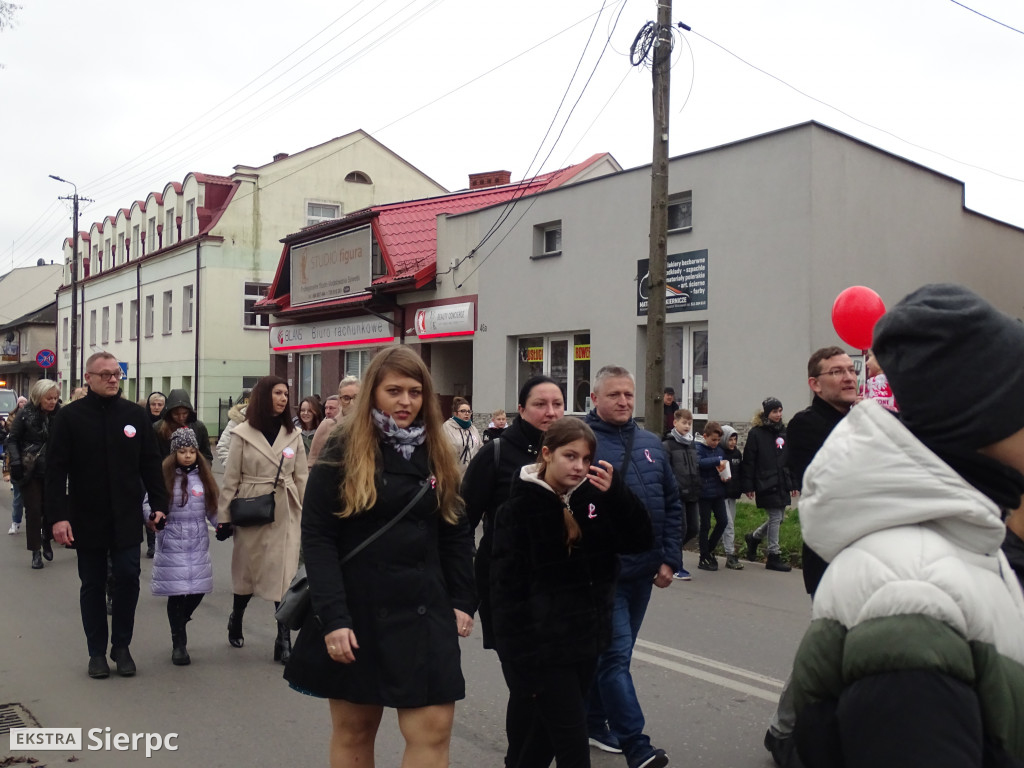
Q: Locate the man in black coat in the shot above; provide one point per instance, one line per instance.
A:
(832, 377)
(101, 457)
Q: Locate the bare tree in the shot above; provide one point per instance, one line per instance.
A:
(7, 11)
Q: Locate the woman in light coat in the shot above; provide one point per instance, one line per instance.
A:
(265, 557)
(462, 434)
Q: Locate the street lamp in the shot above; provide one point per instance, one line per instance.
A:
(74, 283)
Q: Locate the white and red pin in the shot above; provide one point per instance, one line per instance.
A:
(780, 442)
(197, 491)
(129, 430)
(591, 511)
(289, 452)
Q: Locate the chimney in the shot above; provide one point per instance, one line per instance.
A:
(490, 179)
(280, 156)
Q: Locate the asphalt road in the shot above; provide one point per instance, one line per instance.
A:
(709, 666)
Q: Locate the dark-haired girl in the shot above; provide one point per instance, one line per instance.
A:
(552, 578)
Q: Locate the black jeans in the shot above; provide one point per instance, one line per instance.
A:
(709, 542)
(547, 717)
(36, 530)
(92, 571)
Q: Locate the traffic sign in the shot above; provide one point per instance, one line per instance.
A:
(46, 358)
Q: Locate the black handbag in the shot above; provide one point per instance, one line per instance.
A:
(296, 602)
(255, 510)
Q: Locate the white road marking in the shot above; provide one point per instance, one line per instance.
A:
(709, 677)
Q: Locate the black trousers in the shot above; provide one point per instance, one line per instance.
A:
(709, 538)
(92, 572)
(547, 714)
(36, 530)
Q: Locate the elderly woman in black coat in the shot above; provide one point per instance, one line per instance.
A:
(385, 625)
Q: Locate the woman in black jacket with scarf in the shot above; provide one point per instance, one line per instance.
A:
(553, 571)
(766, 478)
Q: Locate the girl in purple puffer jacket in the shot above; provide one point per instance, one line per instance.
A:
(182, 569)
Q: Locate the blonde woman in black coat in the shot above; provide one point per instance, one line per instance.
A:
(385, 626)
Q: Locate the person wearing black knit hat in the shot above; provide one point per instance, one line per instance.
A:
(765, 478)
(915, 654)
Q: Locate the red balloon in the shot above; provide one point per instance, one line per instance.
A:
(854, 314)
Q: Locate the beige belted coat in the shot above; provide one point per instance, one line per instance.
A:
(265, 557)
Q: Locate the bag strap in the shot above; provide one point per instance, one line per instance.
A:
(384, 528)
(278, 476)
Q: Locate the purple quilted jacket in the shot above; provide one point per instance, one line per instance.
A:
(182, 563)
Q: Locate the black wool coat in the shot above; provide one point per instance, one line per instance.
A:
(487, 485)
(764, 472)
(101, 458)
(397, 594)
(29, 434)
(552, 605)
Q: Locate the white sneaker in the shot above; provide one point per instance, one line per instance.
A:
(15, 528)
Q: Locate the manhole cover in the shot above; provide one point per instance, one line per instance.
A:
(15, 716)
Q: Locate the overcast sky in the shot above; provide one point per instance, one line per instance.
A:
(121, 98)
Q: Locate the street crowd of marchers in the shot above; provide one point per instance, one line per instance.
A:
(362, 510)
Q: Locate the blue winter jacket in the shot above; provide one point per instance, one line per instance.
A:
(648, 475)
(711, 485)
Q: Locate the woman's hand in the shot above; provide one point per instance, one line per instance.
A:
(341, 645)
(463, 622)
(601, 476)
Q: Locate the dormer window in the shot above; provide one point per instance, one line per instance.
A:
(358, 177)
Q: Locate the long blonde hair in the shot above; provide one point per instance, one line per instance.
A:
(358, 491)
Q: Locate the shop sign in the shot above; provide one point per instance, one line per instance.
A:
(446, 320)
(534, 355)
(331, 333)
(332, 268)
(581, 352)
(686, 283)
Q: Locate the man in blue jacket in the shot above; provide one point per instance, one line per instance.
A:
(615, 719)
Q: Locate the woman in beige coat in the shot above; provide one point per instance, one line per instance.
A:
(265, 557)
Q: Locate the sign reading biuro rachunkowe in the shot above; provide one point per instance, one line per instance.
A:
(331, 333)
(331, 268)
(686, 282)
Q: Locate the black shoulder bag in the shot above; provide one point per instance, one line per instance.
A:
(295, 602)
(255, 510)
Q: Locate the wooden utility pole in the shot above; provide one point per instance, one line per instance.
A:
(655, 369)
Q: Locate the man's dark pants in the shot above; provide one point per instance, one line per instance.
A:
(92, 571)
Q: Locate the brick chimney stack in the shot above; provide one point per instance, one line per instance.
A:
(489, 179)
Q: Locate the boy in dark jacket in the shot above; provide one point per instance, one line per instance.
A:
(766, 479)
(712, 494)
(682, 455)
(734, 456)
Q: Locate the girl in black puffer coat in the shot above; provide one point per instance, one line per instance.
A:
(552, 580)
(766, 479)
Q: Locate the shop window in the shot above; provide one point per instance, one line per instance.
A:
(565, 358)
(680, 212)
(309, 375)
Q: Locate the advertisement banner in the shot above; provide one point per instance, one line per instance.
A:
(332, 268)
(366, 329)
(446, 320)
(686, 283)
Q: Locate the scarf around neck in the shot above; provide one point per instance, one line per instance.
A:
(461, 423)
(686, 439)
(402, 440)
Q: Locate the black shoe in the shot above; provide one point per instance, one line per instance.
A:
(656, 758)
(98, 668)
(149, 553)
(124, 661)
(47, 550)
(180, 657)
(783, 750)
(283, 644)
(707, 564)
(37, 560)
(776, 563)
(751, 546)
(235, 631)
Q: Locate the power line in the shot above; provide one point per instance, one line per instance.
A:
(996, 21)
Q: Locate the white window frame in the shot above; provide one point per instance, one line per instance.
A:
(187, 308)
(119, 321)
(356, 361)
(571, 339)
(133, 320)
(251, 293)
(680, 212)
(309, 374)
(152, 235)
(543, 234)
(167, 313)
(169, 228)
(65, 334)
(326, 211)
(149, 318)
(92, 327)
(190, 217)
(105, 326)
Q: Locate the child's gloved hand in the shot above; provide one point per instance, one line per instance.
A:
(224, 531)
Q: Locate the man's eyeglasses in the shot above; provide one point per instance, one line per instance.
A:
(105, 375)
(837, 372)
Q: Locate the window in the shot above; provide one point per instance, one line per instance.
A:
(118, 321)
(317, 212)
(109, 255)
(190, 215)
(186, 309)
(357, 361)
(253, 293)
(377, 265)
(135, 241)
(133, 320)
(680, 212)
(120, 250)
(169, 228)
(65, 335)
(309, 374)
(186, 384)
(565, 358)
(105, 325)
(149, 316)
(167, 312)
(166, 386)
(152, 235)
(358, 177)
(92, 328)
(547, 239)
(147, 384)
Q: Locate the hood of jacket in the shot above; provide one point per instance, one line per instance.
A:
(176, 399)
(237, 413)
(873, 474)
(727, 432)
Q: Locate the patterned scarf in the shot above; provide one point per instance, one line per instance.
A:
(402, 440)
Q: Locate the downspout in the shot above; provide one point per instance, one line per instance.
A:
(138, 331)
(196, 303)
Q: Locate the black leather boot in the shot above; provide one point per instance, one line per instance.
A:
(235, 620)
(176, 614)
(37, 560)
(283, 644)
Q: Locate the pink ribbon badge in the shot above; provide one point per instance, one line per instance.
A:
(647, 453)
(591, 511)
